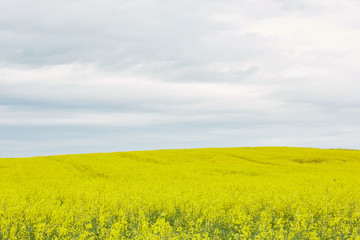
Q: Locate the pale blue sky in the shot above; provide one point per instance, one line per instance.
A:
(82, 76)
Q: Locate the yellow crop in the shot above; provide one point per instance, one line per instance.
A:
(224, 193)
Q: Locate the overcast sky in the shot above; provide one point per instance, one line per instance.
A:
(80, 76)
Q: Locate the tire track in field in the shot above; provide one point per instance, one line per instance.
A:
(84, 169)
(250, 160)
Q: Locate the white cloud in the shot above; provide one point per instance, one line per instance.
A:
(219, 73)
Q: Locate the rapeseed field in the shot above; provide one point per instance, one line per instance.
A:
(219, 193)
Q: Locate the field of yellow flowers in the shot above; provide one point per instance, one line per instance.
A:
(218, 193)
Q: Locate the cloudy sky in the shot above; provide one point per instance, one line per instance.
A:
(80, 76)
